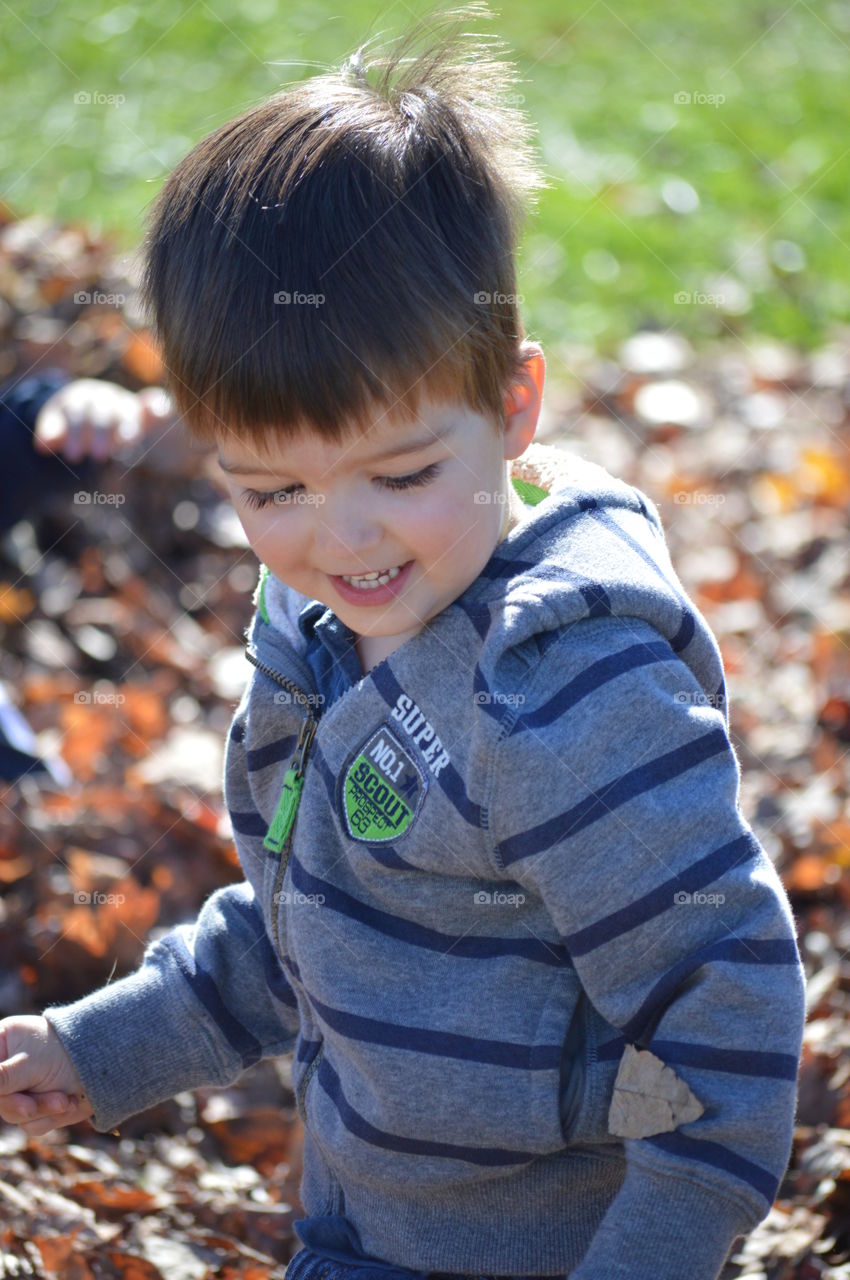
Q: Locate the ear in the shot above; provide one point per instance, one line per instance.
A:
(523, 401)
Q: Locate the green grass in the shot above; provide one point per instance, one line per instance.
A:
(757, 182)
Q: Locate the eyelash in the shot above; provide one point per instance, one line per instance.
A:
(253, 498)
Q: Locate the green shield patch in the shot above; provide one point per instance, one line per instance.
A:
(381, 789)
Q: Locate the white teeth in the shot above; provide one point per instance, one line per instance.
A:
(368, 581)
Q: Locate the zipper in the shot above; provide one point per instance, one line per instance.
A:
(302, 1090)
(278, 838)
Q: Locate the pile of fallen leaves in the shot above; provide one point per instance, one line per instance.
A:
(122, 639)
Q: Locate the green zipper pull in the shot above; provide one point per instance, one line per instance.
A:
(284, 814)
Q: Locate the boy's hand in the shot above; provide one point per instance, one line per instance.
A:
(39, 1088)
(100, 418)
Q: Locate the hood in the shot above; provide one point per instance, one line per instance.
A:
(590, 545)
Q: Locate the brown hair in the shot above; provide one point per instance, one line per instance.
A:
(386, 212)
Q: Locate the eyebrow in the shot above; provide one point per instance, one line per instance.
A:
(395, 451)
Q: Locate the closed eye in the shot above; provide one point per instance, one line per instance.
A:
(255, 499)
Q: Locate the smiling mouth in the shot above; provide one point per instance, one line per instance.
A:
(376, 577)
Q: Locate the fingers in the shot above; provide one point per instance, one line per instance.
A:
(89, 417)
(38, 1113)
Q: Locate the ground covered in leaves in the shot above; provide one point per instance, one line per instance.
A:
(122, 643)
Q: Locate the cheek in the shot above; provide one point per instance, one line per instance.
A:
(271, 538)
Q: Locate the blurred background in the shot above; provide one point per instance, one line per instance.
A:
(688, 275)
(698, 153)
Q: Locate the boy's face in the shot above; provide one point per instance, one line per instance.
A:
(436, 512)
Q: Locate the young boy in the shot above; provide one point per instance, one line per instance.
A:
(539, 978)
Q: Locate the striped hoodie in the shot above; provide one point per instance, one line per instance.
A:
(539, 978)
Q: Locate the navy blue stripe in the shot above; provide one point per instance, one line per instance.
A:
(714, 1154)
(468, 945)
(449, 780)
(739, 1062)
(276, 979)
(361, 1128)
(735, 950)
(704, 871)
(594, 677)
(204, 989)
(597, 599)
(736, 1062)
(271, 752)
(687, 627)
(249, 823)
(306, 1049)
(611, 795)
(440, 1043)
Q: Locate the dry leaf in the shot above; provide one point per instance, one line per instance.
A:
(649, 1097)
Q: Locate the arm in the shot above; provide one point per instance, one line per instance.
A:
(208, 1001)
(616, 789)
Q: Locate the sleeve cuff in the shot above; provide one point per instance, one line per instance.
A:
(663, 1227)
(137, 1042)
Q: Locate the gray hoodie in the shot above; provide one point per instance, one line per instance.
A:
(539, 977)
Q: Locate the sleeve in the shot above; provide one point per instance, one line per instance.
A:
(208, 1001)
(615, 799)
(24, 397)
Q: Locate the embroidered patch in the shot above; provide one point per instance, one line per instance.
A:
(381, 789)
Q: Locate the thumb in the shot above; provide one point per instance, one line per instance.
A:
(16, 1073)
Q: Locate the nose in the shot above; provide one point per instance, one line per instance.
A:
(345, 533)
